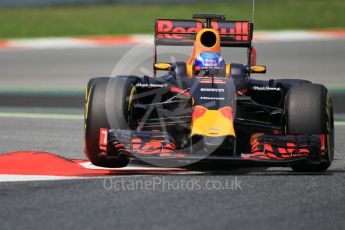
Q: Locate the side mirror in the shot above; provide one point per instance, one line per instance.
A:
(162, 66)
(258, 69)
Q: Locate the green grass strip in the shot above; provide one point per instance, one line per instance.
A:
(129, 19)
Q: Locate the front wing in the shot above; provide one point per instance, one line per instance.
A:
(270, 149)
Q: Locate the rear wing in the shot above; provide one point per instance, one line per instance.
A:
(171, 32)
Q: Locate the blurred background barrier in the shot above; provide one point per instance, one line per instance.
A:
(39, 18)
(48, 3)
(48, 75)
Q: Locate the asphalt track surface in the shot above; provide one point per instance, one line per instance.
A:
(265, 198)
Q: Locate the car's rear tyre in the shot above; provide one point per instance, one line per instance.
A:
(106, 106)
(308, 110)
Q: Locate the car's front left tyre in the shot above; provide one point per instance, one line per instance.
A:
(106, 106)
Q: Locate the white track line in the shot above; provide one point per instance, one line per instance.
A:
(42, 116)
(12, 178)
(173, 171)
(89, 165)
(339, 123)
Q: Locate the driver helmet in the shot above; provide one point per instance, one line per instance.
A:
(209, 64)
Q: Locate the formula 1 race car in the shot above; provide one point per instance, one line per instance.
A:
(208, 113)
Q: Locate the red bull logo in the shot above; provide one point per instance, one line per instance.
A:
(179, 29)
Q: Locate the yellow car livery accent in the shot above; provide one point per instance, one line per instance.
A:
(214, 124)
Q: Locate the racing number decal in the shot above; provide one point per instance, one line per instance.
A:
(103, 136)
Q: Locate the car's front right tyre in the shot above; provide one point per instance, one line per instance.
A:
(308, 110)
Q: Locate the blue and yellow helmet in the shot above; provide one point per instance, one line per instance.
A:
(209, 63)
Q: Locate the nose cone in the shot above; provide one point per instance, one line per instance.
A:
(213, 123)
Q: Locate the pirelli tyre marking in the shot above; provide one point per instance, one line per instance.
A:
(329, 128)
(87, 101)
